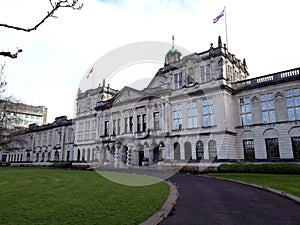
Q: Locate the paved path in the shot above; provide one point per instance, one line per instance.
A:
(205, 200)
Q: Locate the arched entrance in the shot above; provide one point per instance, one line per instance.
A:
(176, 151)
(212, 149)
(187, 151)
(199, 150)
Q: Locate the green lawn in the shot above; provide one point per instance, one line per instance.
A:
(41, 196)
(286, 183)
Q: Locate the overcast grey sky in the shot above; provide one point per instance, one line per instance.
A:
(61, 52)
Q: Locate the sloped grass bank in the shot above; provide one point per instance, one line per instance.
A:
(40, 196)
(282, 182)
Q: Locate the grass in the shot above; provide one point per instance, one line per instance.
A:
(286, 183)
(33, 196)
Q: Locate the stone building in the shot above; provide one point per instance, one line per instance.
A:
(198, 108)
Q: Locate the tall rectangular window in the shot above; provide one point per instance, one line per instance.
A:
(267, 105)
(106, 128)
(249, 149)
(192, 114)
(114, 127)
(296, 147)
(178, 82)
(272, 148)
(156, 118)
(118, 126)
(126, 126)
(293, 103)
(144, 122)
(139, 123)
(130, 124)
(208, 112)
(177, 117)
(245, 111)
(205, 73)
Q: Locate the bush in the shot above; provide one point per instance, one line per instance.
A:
(62, 165)
(271, 168)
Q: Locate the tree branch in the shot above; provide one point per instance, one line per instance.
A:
(73, 4)
(55, 6)
(11, 55)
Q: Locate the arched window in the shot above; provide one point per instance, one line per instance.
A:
(83, 155)
(56, 156)
(37, 157)
(78, 155)
(199, 150)
(187, 151)
(49, 156)
(212, 149)
(176, 151)
(43, 157)
(28, 157)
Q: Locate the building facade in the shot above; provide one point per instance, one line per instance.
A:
(198, 108)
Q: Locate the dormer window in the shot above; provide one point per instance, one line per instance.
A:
(178, 82)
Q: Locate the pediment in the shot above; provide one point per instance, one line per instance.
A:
(127, 94)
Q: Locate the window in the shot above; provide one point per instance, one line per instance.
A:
(296, 147)
(205, 73)
(272, 148)
(192, 114)
(118, 126)
(156, 117)
(144, 125)
(114, 127)
(199, 150)
(267, 105)
(106, 128)
(131, 124)
(139, 123)
(178, 80)
(293, 103)
(249, 149)
(245, 111)
(177, 117)
(126, 125)
(212, 149)
(208, 112)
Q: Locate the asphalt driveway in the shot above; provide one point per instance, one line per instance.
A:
(205, 200)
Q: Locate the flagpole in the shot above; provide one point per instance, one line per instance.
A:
(226, 27)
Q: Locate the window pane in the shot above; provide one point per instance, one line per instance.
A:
(271, 105)
(297, 100)
(265, 117)
(289, 102)
(249, 119)
(272, 116)
(291, 115)
(297, 110)
(264, 105)
(296, 91)
(288, 93)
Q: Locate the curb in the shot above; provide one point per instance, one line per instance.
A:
(280, 193)
(161, 214)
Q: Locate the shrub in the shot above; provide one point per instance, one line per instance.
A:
(62, 165)
(271, 168)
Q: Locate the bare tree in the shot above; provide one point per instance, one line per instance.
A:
(55, 5)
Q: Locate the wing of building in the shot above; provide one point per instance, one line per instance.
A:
(198, 108)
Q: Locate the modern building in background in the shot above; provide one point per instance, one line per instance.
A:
(21, 115)
(198, 108)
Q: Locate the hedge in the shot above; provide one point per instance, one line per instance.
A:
(271, 168)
